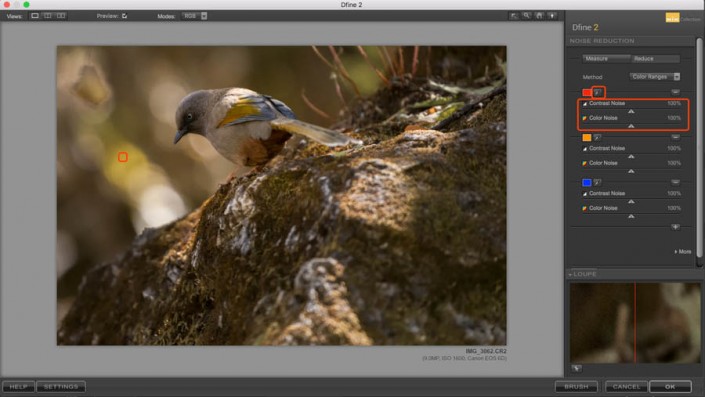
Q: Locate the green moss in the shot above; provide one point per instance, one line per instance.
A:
(449, 110)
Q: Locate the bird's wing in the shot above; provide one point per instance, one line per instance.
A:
(248, 108)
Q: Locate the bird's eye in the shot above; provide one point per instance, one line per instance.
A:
(189, 116)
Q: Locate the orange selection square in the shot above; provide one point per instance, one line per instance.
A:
(122, 157)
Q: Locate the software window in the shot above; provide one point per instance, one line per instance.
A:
(332, 198)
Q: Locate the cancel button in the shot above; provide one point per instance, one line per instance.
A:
(626, 386)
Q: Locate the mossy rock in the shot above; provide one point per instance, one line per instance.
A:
(402, 241)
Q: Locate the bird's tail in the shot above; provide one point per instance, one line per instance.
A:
(319, 134)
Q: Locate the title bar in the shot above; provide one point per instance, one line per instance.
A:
(353, 5)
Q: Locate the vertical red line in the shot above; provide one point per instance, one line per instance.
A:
(634, 323)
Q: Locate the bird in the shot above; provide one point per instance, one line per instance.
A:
(245, 127)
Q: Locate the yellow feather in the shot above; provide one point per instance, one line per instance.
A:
(239, 110)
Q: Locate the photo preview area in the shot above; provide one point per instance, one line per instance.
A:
(399, 239)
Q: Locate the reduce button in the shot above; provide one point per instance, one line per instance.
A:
(670, 386)
(656, 58)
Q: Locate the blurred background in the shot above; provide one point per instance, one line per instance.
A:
(118, 170)
(603, 317)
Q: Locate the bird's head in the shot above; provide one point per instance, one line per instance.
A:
(191, 114)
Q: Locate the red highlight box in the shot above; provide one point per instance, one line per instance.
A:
(577, 116)
(122, 157)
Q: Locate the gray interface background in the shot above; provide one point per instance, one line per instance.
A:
(28, 204)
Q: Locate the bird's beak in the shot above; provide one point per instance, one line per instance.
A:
(180, 134)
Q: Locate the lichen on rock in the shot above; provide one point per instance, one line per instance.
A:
(401, 241)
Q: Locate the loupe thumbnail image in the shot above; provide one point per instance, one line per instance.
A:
(635, 322)
(281, 195)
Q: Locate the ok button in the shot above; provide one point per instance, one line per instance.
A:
(670, 386)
